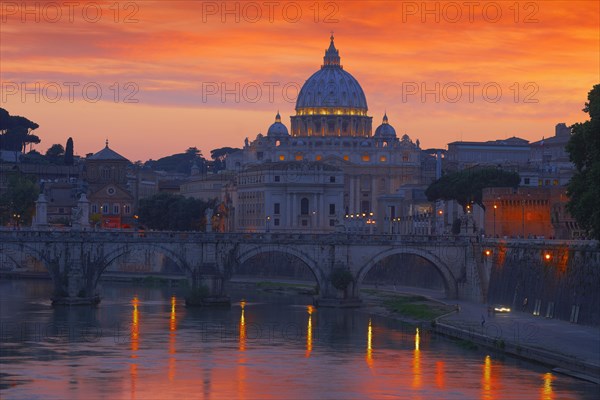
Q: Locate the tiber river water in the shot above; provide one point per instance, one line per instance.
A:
(142, 343)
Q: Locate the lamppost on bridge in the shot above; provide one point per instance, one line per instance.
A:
(267, 223)
(495, 207)
(16, 218)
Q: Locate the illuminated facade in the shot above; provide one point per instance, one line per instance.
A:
(331, 126)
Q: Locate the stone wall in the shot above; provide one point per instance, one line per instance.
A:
(553, 282)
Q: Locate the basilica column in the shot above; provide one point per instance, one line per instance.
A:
(351, 195)
(357, 194)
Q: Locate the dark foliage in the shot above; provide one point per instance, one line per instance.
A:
(166, 211)
(15, 132)
(584, 152)
(466, 186)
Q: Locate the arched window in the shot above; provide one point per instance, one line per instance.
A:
(304, 206)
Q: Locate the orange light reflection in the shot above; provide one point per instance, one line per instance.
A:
(134, 345)
(310, 310)
(172, 338)
(417, 361)
(487, 378)
(547, 391)
(370, 345)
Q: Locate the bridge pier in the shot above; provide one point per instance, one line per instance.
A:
(339, 290)
(75, 280)
(207, 288)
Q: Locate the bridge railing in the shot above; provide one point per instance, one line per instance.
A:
(262, 237)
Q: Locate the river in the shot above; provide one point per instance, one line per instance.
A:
(143, 343)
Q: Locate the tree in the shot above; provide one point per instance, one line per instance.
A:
(180, 162)
(219, 155)
(19, 198)
(69, 152)
(166, 211)
(15, 132)
(55, 153)
(341, 278)
(584, 151)
(467, 186)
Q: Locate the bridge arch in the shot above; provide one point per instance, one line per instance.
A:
(450, 283)
(247, 253)
(28, 251)
(125, 249)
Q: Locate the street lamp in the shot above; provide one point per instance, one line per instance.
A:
(267, 223)
(495, 207)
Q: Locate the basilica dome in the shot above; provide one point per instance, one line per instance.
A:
(331, 86)
(385, 130)
(277, 129)
(331, 102)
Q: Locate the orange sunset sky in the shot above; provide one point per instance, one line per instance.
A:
(169, 56)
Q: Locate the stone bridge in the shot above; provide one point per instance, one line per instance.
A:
(77, 259)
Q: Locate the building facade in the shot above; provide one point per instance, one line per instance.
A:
(331, 127)
(294, 196)
(111, 201)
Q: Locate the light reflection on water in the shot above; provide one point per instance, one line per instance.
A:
(144, 344)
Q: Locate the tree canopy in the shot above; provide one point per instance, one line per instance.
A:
(19, 198)
(467, 186)
(69, 152)
(584, 151)
(180, 162)
(15, 132)
(167, 211)
(219, 155)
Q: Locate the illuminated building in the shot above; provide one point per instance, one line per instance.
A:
(331, 127)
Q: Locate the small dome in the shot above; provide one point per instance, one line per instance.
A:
(277, 129)
(385, 130)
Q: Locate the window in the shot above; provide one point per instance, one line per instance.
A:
(304, 222)
(127, 209)
(105, 208)
(276, 208)
(318, 157)
(526, 181)
(94, 208)
(405, 158)
(299, 157)
(332, 222)
(555, 182)
(277, 178)
(332, 209)
(281, 157)
(105, 173)
(116, 209)
(366, 158)
(346, 158)
(332, 179)
(61, 210)
(382, 159)
(304, 206)
(276, 222)
(365, 206)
